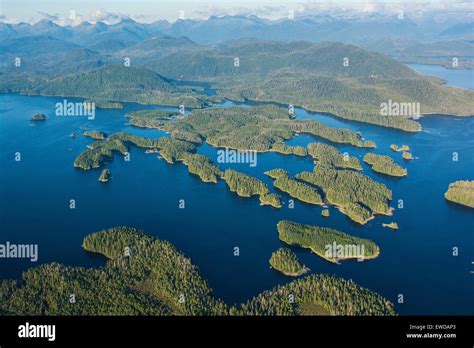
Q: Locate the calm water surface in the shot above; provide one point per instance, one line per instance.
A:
(453, 77)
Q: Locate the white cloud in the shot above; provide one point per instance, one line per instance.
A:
(262, 11)
(73, 18)
(105, 16)
(48, 16)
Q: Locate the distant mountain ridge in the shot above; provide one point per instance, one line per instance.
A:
(335, 77)
(373, 32)
(218, 29)
(266, 57)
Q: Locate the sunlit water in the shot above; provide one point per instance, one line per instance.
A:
(454, 77)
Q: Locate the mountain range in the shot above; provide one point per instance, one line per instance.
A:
(221, 29)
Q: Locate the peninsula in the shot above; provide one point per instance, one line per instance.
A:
(461, 192)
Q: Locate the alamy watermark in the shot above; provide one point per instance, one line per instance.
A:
(85, 108)
(28, 330)
(392, 108)
(237, 156)
(345, 251)
(20, 251)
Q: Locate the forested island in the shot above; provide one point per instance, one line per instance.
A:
(397, 148)
(294, 188)
(259, 128)
(392, 225)
(354, 194)
(328, 243)
(244, 185)
(285, 261)
(461, 192)
(329, 155)
(384, 164)
(147, 276)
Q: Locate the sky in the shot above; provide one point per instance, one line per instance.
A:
(73, 12)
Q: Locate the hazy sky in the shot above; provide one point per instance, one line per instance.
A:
(62, 11)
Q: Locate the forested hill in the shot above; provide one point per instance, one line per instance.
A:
(112, 82)
(344, 80)
(110, 79)
(267, 57)
(156, 47)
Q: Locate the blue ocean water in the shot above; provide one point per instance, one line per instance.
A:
(453, 77)
(415, 261)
